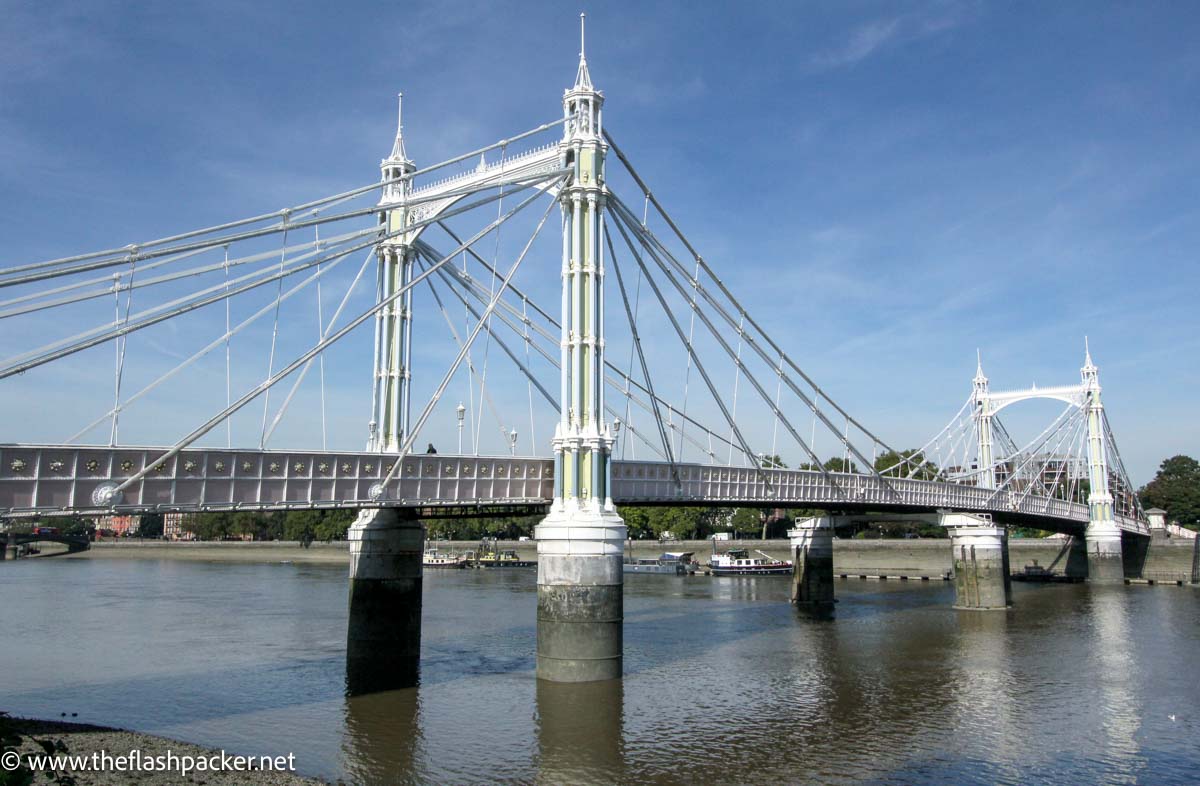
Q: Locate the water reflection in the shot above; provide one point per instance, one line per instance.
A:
(1115, 677)
(369, 670)
(382, 742)
(985, 692)
(725, 681)
(579, 731)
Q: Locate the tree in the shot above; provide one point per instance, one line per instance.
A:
(909, 463)
(151, 525)
(839, 464)
(1176, 489)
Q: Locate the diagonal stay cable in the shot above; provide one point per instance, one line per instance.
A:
(692, 351)
(223, 339)
(716, 334)
(720, 284)
(453, 286)
(328, 329)
(136, 255)
(257, 390)
(637, 342)
(620, 382)
(101, 335)
(479, 326)
(284, 213)
(458, 341)
(655, 247)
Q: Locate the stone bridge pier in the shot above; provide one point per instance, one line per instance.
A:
(981, 569)
(812, 561)
(383, 638)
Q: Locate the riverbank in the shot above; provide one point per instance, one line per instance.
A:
(94, 743)
(927, 557)
(219, 551)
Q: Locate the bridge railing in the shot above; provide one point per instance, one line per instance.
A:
(48, 479)
(54, 479)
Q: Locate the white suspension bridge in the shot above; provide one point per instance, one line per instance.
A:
(424, 234)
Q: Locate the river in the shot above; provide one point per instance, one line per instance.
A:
(725, 681)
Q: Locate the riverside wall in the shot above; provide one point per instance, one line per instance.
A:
(930, 557)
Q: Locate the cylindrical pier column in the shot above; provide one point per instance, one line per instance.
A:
(981, 571)
(580, 608)
(1105, 563)
(1196, 560)
(812, 561)
(383, 638)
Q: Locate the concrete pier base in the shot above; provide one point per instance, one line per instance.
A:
(580, 609)
(1104, 554)
(812, 561)
(1135, 551)
(981, 569)
(383, 638)
(1077, 561)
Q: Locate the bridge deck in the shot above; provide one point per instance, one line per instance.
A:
(51, 479)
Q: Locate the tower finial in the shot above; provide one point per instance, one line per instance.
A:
(1087, 351)
(398, 153)
(583, 80)
(980, 379)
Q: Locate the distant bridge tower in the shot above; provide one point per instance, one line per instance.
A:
(390, 397)
(983, 426)
(1103, 535)
(580, 607)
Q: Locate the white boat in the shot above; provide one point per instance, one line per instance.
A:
(433, 558)
(739, 562)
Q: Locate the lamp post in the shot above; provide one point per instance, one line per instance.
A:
(512, 438)
(461, 411)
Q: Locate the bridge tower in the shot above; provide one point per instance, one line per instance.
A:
(983, 425)
(580, 605)
(390, 399)
(383, 637)
(1103, 536)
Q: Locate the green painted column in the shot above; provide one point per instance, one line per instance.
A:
(580, 610)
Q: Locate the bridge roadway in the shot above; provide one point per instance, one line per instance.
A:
(47, 480)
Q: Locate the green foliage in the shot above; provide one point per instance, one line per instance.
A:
(1176, 489)
(685, 523)
(839, 464)
(915, 465)
(151, 526)
(302, 525)
(502, 527)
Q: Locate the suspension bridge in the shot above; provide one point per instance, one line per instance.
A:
(458, 280)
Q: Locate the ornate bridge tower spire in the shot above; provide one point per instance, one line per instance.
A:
(580, 607)
(983, 425)
(390, 403)
(1103, 535)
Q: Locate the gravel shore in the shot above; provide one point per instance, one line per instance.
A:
(79, 739)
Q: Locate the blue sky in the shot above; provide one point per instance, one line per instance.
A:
(888, 185)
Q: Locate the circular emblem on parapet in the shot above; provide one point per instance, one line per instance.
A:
(106, 495)
(375, 492)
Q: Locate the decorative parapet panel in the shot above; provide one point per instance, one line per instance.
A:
(48, 480)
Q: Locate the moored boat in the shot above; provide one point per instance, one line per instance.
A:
(679, 563)
(433, 558)
(739, 562)
(489, 555)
